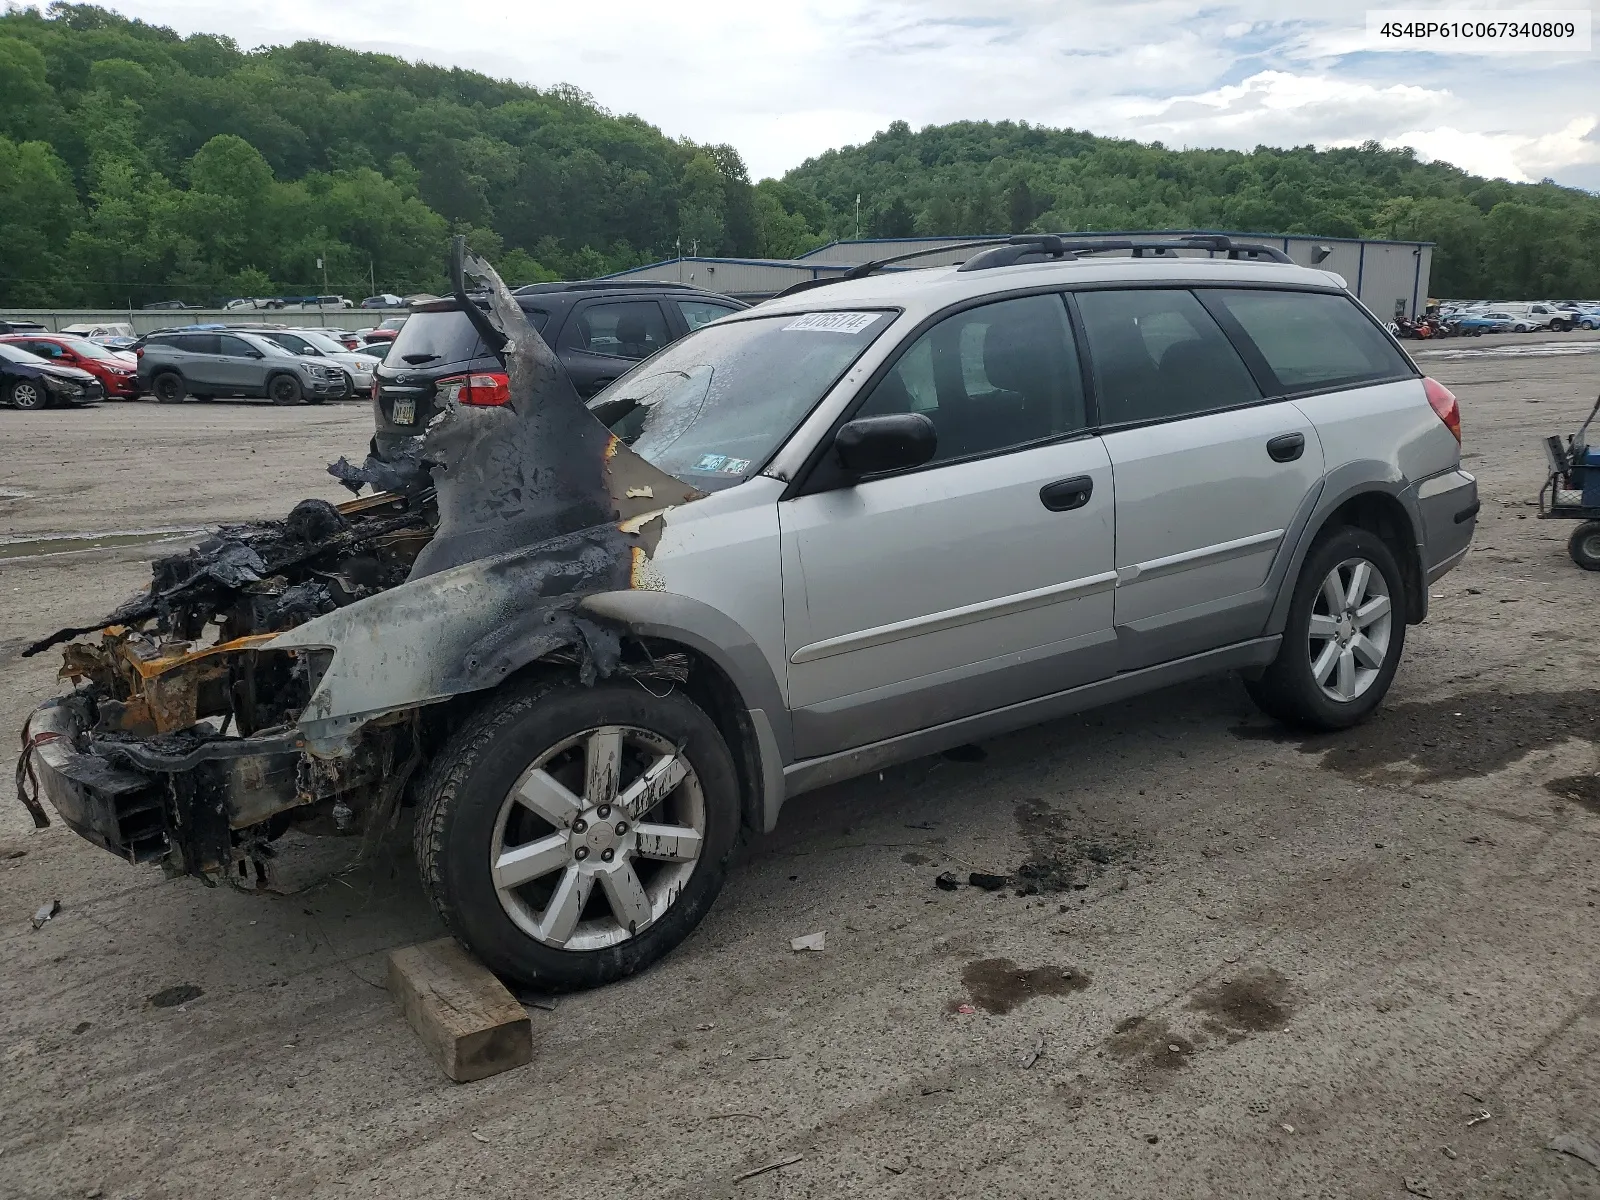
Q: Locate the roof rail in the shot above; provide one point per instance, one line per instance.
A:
(862, 270)
(1036, 247)
(600, 285)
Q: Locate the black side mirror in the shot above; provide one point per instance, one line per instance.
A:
(896, 442)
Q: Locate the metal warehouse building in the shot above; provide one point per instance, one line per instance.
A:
(1391, 278)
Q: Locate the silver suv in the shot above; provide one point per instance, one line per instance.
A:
(174, 364)
(851, 526)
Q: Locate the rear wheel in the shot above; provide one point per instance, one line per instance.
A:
(284, 389)
(1560, 326)
(1344, 636)
(28, 394)
(1584, 545)
(167, 387)
(573, 835)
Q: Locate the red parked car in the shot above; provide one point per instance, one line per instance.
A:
(118, 372)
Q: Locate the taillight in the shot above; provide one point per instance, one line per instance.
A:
(1444, 403)
(489, 389)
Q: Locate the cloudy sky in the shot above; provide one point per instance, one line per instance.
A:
(783, 81)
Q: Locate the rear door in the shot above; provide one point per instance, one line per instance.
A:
(602, 339)
(1210, 474)
(980, 579)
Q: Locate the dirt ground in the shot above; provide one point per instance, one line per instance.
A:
(1279, 967)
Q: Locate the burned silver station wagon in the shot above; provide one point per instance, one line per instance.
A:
(853, 525)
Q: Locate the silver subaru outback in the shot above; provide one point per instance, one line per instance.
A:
(851, 526)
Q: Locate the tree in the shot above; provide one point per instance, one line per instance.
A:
(1019, 201)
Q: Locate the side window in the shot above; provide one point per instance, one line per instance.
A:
(701, 312)
(1312, 339)
(196, 343)
(237, 347)
(1158, 355)
(990, 378)
(42, 349)
(291, 343)
(626, 329)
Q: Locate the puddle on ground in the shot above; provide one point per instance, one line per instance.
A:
(1536, 350)
(173, 996)
(1151, 1040)
(1582, 790)
(1253, 1002)
(998, 985)
(44, 545)
(1463, 736)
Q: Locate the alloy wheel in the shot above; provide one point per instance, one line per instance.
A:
(1351, 621)
(27, 395)
(597, 838)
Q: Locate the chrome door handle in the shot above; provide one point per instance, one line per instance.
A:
(1287, 447)
(1067, 494)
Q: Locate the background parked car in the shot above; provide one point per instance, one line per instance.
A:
(30, 382)
(383, 300)
(163, 304)
(204, 364)
(314, 343)
(21, 327)
(117, 371)
(599, 330)
(1478, 323)
(110, 329)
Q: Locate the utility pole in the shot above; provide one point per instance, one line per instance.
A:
(323, 263)
(858, 216)
(372, 278)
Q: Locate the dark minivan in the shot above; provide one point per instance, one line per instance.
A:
(599, 329)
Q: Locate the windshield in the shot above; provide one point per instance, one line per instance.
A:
(90, 349)
(269, 347)
(712, 408)
(321, 341)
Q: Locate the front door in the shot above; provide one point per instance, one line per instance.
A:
(1209, 478)
(978, 580)
(604, 338)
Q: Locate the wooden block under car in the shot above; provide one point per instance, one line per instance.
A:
(466, 1018)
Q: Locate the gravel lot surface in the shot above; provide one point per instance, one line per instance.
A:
(1279, 967)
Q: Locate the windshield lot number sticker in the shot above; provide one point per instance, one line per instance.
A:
(832, 322)
(721, 464)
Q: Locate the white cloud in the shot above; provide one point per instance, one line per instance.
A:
(786, 81)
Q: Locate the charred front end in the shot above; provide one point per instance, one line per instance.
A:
(178, 742)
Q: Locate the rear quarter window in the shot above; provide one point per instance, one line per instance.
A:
(1312, 340)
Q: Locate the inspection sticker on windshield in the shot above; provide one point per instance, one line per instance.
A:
(721, 464)
(832, 322)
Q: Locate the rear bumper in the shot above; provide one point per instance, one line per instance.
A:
(1448, 506)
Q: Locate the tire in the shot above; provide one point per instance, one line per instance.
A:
(470, 816)
(1288, 689)
(1584, 545)
(1559, 326)
(28, 395)
(284, 389)
(168, 388)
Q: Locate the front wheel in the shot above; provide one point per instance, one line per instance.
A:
(284, 389)
(1584, 545)
(1344, 636)
(573, 835)
(28, 394)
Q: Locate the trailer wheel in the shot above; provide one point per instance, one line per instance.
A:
(1584, 545)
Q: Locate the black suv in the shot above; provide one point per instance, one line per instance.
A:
(598, 329)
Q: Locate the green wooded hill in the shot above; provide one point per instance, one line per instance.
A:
(1495, 239)
(137, 165)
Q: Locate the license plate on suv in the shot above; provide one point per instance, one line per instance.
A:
(404, 412)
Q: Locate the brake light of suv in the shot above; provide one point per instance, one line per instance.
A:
(1444, 403)
(487, 388)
